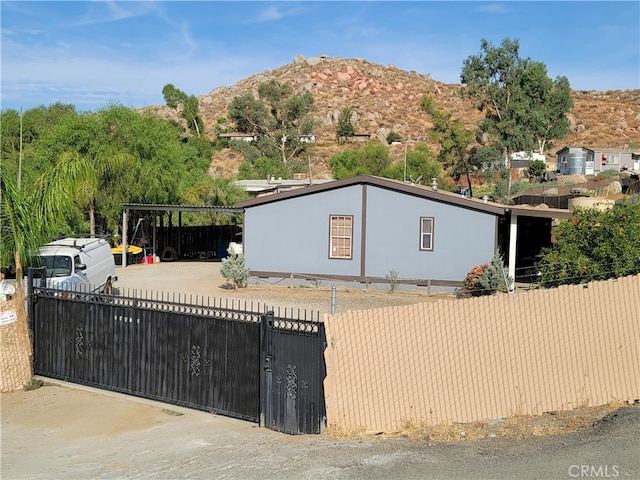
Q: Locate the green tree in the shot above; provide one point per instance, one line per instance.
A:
(455, 141)
(549, 101)
(278, 117)
(523, 108)
(263, 167)
(370, 159)
(134, 158)
(346, 164)
(594, 245)
(421, 163)
(220, 192)
(19, 132)
(345, 126)
(92, 142)
(190, 110)
(536, 168)
(172, 95)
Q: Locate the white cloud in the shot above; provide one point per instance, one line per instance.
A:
(274, 13)
(493, 8)
(114, 11)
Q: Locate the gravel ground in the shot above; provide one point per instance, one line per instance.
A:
(197, 280)
(62, 431)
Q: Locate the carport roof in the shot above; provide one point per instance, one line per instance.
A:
(146, 207)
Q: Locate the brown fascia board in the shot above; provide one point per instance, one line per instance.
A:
(529, 211)
(395, 185)
(568, 147)
(298, 192)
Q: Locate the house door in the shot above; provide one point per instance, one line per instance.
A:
(636, 164)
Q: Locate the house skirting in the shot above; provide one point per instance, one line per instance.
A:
(363, 280)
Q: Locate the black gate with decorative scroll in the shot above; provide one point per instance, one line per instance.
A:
(207, 357)
(292, 393)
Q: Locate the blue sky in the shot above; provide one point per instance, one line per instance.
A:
(92, 53)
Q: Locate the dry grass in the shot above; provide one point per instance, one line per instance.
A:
(514, 427)
(391, 101)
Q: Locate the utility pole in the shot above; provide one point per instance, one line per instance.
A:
(405, 159)
(20, 156)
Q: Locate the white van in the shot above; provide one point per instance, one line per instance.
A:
(84, 264)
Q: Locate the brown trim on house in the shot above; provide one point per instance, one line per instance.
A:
(363, 232)
(386, 183)
(421, 191)
(526, 211)
(420, 282)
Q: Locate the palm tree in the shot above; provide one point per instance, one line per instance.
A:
(29, 219)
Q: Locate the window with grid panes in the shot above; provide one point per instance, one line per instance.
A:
(340, 236)
(426, 233)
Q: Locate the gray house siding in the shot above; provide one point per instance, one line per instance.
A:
(461, 238)
(298, 233)
(293, 236)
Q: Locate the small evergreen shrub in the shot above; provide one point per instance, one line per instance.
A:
(234, 270)
(393, 280)
(488, 278)
(394, 137)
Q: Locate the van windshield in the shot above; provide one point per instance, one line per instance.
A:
(57, 265)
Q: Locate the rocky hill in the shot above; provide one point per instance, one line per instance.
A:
(385, 98)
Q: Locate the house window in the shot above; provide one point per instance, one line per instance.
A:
(340, 236)
(426, 233)
(610, 159)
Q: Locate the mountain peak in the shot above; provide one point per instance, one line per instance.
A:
(386, 98)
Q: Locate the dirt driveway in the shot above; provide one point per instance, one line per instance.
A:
(195, 279)
(64, 431)
(67, 432)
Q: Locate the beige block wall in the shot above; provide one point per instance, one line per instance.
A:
(456, 361)
(15, 349)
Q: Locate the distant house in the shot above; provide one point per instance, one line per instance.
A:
(243, 137)
(614, 159)
(361, 137)
(523, 159)
(574, 160)
(591, 161)
(363, 229)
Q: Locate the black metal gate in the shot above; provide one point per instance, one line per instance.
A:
(207, 357)
(293, 370)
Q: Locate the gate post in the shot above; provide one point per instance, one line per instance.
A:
(266, 370)
(32, 272)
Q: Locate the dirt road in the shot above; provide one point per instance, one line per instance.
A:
(69, 432)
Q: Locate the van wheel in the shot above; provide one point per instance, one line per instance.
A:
(108, 287)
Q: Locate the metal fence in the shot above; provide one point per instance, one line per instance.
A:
(215, 355)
